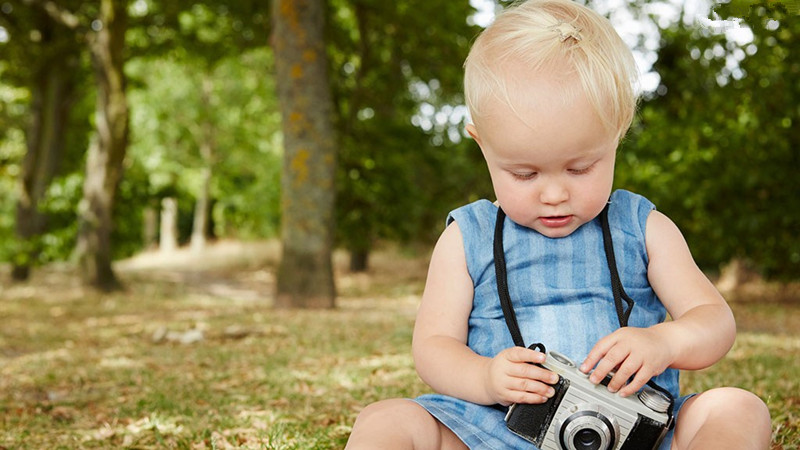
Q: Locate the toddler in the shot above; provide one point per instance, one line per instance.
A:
(550, 89)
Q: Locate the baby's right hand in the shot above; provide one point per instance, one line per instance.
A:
(512, 377)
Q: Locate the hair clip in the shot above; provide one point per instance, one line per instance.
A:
(567, 31)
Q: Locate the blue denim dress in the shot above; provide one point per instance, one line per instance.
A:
(561, 291)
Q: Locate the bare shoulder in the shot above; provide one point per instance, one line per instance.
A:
(662, 234)
(448, 266)
(672, 271)
(450, 241)
(447, 298)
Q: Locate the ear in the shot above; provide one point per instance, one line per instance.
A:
(473, 132)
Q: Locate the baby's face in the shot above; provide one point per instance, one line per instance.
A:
(550, 158)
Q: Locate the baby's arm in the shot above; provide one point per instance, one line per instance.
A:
(701, 332)
(441, 355)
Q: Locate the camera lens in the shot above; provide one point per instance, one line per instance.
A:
(587, 439)
(588, 427)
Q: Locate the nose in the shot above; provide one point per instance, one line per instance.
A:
(554, 192)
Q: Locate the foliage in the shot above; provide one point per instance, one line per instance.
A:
(717, 148)
(389, 59)
(202, 76)
(32, 43)
(196, 38)
(12, 149)
(245, 124)
(209, 29)
(79, 370)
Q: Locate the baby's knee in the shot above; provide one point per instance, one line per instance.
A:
(379, 410)
(390, 413)
(735, 399)
(395, 423)
(735, 405)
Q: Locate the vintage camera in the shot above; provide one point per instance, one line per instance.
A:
(585, 416)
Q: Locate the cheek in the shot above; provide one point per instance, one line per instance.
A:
(503, 187)
(595, 195)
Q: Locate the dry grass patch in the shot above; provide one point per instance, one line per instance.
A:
(194, 357)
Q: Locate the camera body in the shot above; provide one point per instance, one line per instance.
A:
(585, 416)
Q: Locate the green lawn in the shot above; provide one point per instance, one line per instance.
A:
(81, 370)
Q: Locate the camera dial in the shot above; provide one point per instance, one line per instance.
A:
(561, 358)
(654, 400)
(587, 427)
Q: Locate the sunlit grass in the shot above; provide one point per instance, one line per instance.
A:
(78, 370)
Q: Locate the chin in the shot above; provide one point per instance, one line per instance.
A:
(556, 233)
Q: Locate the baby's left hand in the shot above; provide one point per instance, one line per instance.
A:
(640, 351)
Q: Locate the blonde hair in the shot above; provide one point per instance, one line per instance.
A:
(545, 35)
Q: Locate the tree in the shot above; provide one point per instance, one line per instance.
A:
(105, 38)
(200, 109)
(394, 63)
(107, 151)
(48, 60)
(238, 113)
(305, 275)
(716, 148)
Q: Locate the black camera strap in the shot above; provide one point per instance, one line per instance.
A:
(617, 289)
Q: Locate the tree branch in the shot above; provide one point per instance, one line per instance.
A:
(57, 13)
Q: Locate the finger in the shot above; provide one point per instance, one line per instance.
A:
(535, 387)
(526, 355)
(523, 397)
(606, 365)
(597, 353)
(638, 382)
(525, 391)
(532, 372)
(623, 374)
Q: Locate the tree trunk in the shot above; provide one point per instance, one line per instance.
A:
(359, 260)
(168, 240)
(107, 152)
(207, 141)
(305, 274)
(51, 97)
(201, 212)
(150, 228)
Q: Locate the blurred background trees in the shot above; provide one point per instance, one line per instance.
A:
(718, 142)
(715, 144)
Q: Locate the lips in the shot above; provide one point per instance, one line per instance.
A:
(555, 221)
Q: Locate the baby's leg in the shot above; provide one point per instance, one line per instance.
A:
(723, 418)
(400, 424)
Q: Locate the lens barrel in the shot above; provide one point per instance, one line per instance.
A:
(588, 429)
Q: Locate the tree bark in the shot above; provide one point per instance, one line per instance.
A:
(202, 207)
(150, 228)
(207, 142)
(107, 152)
(51, 101)
(305, 274)
(359, 260)
(168, 239)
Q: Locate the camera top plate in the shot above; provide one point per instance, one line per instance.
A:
(564, 366)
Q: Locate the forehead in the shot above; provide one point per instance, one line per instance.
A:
(548, 113)
(530, 96)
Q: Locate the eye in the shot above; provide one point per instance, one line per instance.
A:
(523, 176)
(581, 170)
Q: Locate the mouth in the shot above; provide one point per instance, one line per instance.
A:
(556, 221)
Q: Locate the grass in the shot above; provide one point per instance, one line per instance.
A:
(83, 370)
